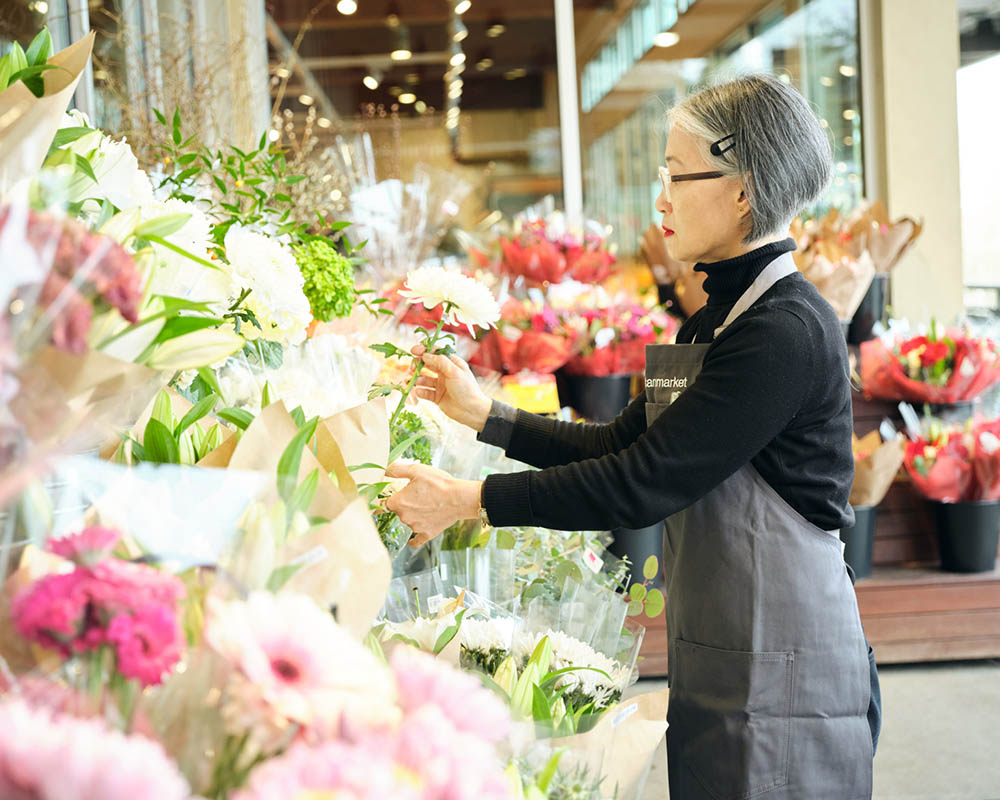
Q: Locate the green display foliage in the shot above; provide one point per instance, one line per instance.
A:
(329, 279)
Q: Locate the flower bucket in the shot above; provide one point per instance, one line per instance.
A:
(968, 535)
(871, 310)
(858, 540)
(599, 398)
(639, 544)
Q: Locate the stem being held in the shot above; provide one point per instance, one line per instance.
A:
(429, 343)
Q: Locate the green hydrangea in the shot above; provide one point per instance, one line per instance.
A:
(329, 280)
(406, 426)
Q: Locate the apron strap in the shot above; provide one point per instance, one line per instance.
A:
(781, 267)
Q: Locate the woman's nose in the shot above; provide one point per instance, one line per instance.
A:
(662, 204)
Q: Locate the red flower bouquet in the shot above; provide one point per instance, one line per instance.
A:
(528, 337)
(930, 369)
(954, 466)
(613, 340)
(544, 253)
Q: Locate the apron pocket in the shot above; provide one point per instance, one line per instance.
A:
(653, 410)
(732, 711)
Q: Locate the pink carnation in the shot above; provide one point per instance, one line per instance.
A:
(147, 643)
(51, 611)
(46, 756)
(423, 679)
(87, 546)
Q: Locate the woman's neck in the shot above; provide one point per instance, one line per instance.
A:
(727, 279)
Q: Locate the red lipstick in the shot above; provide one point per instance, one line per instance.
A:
(667, 231)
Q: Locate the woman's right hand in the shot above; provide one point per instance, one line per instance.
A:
(448, 381)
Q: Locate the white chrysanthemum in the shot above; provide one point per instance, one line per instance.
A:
(568, 651)
(294, 664)
(119, 178)
(177, 275)
(268, 269)
(423, 631)
(495, 633)
(466, 301)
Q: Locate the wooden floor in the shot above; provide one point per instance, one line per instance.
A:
(910, 615)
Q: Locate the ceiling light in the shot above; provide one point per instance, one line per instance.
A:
(392, 18)
(484, 64)
(370, 81)
(455, 92)
(826, 80)
(402, 49)
(849, 141)
(395, 91)
(784, 77)
(514, 74)
(666, 39)
(847, 72)
(462, 6)
(401, 55)
(412, 78)
(407, 97)
(306, 99)
(347, 7)
(420, 106)
(458, 30)
(281, 72)
(273, 135)
(458, 58)
(452, 123)
(824, 123)
(39, 7)
(495, 30)
(323, 122)
(336, 194)
(850, 113)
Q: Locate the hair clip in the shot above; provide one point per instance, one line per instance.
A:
(717, 150)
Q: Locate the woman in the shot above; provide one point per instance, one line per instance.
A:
(743, 442)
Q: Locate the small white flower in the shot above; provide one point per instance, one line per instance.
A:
(268, 269)
(119, 178)
(487, 634)
(989, 442)
(425, 631)
(466, 301)
(568, 651)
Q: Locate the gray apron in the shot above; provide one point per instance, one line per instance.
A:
(769, 671)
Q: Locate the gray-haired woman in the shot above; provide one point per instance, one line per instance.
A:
(743, 442)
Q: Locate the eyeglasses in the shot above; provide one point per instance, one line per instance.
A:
(666, 178)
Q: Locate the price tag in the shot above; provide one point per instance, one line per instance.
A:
(624, 714)
(592, 560)
(434, 603)
(532, 392)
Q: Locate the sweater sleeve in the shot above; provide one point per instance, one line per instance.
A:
(544, 442)
(753, 382)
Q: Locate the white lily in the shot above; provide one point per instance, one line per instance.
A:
(195, 349)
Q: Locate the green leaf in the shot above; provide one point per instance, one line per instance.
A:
(179, 326)
(366, 465)
(293, 179)
(107, 212)
(448, 633)
(66, 135)
(187, 174)
(40, 48)
(18, 61)
(636, 591)
(271, 354)
(207, 375)
(159, 116)
(505, 540)
(266, 397)
(159, 444)
(162, 226)
(650, 568)
(237, 416)
(81, 164)
(298, 415)
(177, 126)
(399, 637)
(655, 603)
(186, 159)
(219, 182)
(162, 409)
(404, 445)
(280, 576)
(288, 464)
(5, 70)
(549, 772)
(151, 237)
(283, 198)
(303, 496)
(388, 349)
(568, 570)
(540, 710)
(195, 413)
(634, 608)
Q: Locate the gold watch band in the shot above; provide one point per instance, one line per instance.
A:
(484, 519)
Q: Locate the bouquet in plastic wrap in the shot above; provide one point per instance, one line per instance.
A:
(954, 465)
(940, 367)
(612, 340)
(876, 464)
(530, 336)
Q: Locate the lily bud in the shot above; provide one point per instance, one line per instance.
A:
(163, 410)
(186, 448)
(506, 675)
(542, 656)
(523, 695)
(196, 349)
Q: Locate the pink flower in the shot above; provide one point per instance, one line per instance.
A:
(117, 585)
(85, 547)
(51, 611)
(423, 680)
(46, 756)
(147, 643)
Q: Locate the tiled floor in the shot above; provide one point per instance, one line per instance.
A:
(940, 736)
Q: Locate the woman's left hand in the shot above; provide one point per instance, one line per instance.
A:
(432, 500)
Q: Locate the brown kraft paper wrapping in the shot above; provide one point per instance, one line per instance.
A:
(876, 469)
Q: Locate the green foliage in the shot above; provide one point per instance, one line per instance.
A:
(166, 440)
(27, 67)
(329, 279)
(410, 426)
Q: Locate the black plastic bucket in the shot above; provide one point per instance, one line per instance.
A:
(639, 544)
(871, 310)
(968, 534)
(598, 398)
(858, 540)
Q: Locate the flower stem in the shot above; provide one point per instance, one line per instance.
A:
(429, 343)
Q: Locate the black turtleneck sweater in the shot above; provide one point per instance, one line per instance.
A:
(774, 390)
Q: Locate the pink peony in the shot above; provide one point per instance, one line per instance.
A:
(47, 756)
(147, 643)
(89, 545)
(423, 679)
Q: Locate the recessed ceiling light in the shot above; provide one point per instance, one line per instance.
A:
(850, 113)
(401, 55)
(281, 72)
(395, 91)
(370, 81)
(455, 92)
(392, 20)
(412, 78)
(496, 30)
(347, 7)
(458, 58)
(323, 122)
(666, 39)
(462, 6)
(306, 99)
(420, 106)
(484, 64)
(826, 80)
(847, 71)
(452, 123)
(407, 98)
(514, 74)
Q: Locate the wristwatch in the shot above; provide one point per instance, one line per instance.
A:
(484, 519)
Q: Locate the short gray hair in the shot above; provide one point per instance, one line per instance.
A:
(778, 147)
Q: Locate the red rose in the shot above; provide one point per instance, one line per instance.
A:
(913, 344)
(934, 352)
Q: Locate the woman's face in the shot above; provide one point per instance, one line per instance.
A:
(704, 220)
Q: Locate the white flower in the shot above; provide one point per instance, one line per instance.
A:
(424, 631)
(293, 665)
(568, 651)
(176, 275)
(268, 269)
(466, 301)
(989, 442)
(496, 633)
(119, 178)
